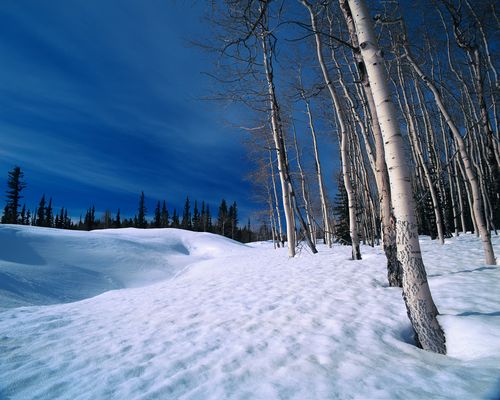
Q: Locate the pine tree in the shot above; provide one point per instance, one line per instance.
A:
(15, 185)
(222, 218)
(40, 214)
(157, 220)
(186, 215)
(66, 221)
(203, 217)
(49, 215)
(209, 220)
(28, 220)
(233, 219)
(141, 217)
(196, 218)
(89, 221)
(22, 216)
(175, 219)
(118, 222)
(164, 215)
(60, 219)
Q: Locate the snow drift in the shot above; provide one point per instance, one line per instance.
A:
(45, 266)
(198, 316)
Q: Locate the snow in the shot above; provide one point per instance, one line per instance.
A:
(170, 314)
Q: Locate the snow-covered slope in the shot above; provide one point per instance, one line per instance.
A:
(226, 321)
(46, 266)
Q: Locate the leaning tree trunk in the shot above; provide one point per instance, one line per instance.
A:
(344, 135)
(277, 131)
(416, 292)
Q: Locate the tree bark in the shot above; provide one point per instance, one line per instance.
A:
(416, 292)
(394, 272)
(277, 131)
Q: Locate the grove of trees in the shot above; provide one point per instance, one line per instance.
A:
(409, 93)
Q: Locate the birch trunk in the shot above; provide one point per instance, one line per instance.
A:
(416, 292)
(305, 197)
(394, 272)
(277, 131)
(319, 175)
(344, 135)
(276, 201)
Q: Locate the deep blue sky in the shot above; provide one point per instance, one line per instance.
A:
(100, 100)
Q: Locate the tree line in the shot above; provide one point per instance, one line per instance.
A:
(196, 218)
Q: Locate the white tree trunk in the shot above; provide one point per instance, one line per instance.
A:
(416, 293)
(319, 175)
(276, 201)
(305, 196)
(344, 135)
(277, 131)
(378, 163)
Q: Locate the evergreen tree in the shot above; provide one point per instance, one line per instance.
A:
(157, 220)
(49, 215)
(175, 219)
(222, 218)
(40, 214)
(61, 219)
(22, 216)
(15, 185)
(28, 220)
(209, 220)
(164, 215)
(89, 221)
(66, 220)
(186, 215)
(203, 217)
(233, 220)
(196, 218)
(140, 221)
(118, 222)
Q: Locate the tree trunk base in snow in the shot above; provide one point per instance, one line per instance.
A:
(356, 253)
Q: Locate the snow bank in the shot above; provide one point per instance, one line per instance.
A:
(47, 266)
(249, 323)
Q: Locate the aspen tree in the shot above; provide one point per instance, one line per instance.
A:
(317, 164)
(381, 173)
(416, 292)
(344, 134)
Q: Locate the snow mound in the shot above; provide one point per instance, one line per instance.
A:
(47, 266)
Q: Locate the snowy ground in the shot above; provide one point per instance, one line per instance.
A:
(197, 316)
